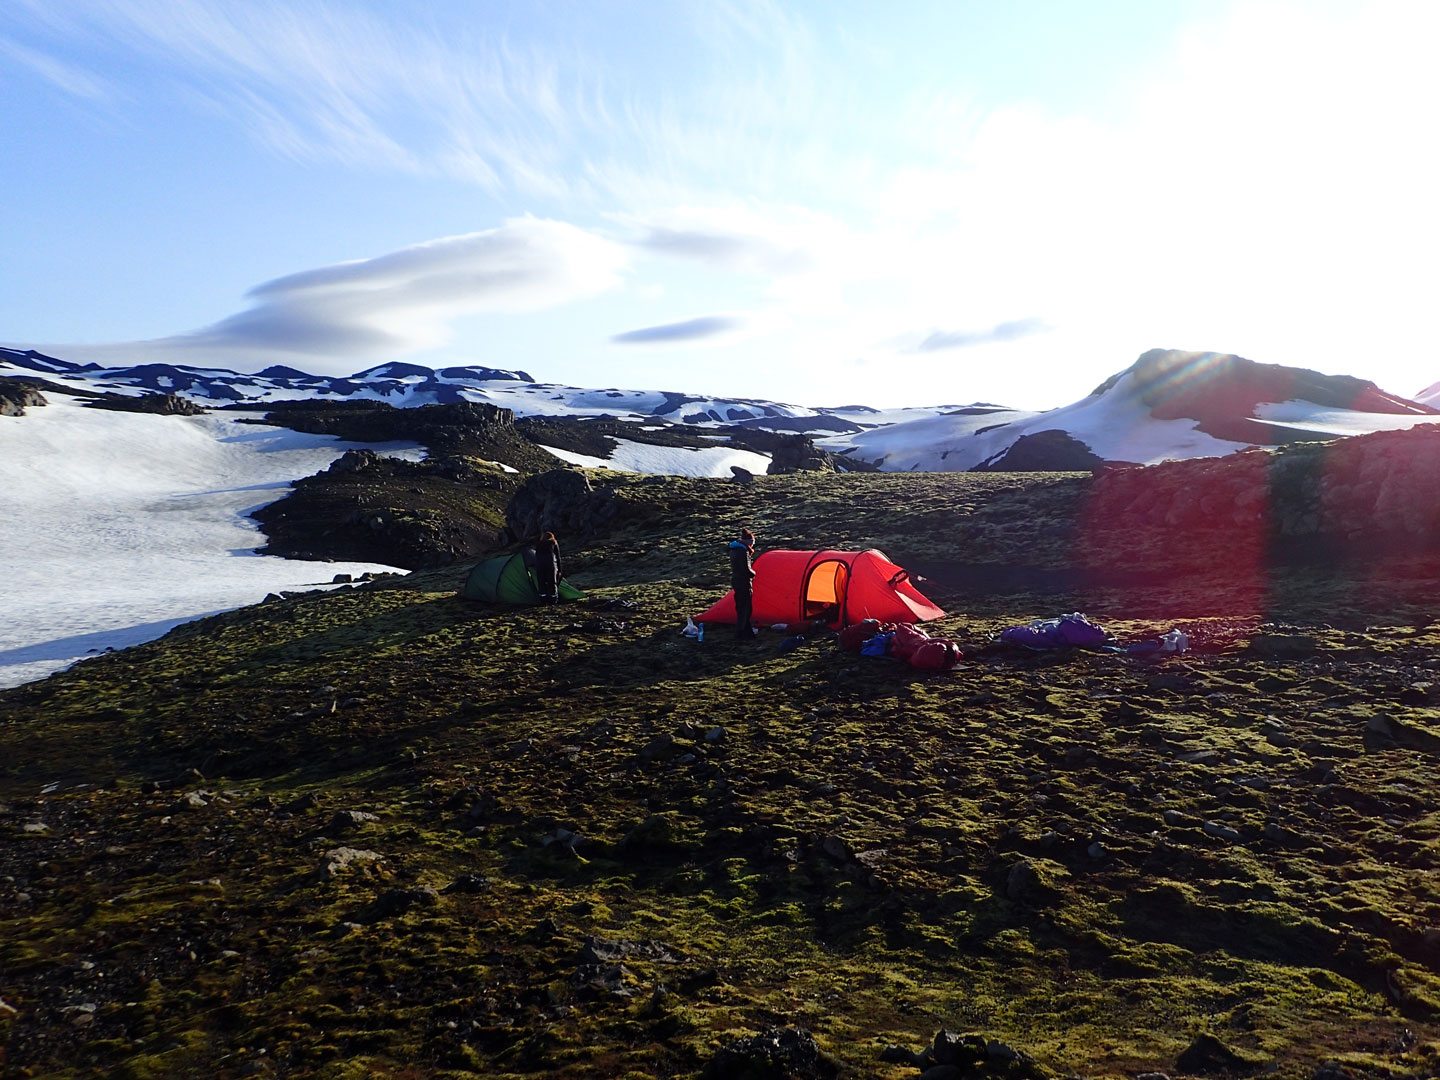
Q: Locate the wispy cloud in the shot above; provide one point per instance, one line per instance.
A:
(961, 339)
(689, 330)
(68, 77)
(393, 304)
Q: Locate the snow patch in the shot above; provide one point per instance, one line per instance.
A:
(707, 461)
(131, 524)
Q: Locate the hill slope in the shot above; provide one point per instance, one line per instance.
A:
(598, 848)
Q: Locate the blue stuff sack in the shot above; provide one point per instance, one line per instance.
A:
(879, 645)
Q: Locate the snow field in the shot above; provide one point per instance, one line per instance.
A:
(126, 525)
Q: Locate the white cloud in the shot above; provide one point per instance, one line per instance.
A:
(393, 304)
(1264, 187)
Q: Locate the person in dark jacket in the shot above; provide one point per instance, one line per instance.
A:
(742, 579)
(547, 568)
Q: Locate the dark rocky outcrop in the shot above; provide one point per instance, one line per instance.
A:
(561, 501)
(369, 508)
(466, 428)
(794, 452)
(776, 1054)
(1043, 451)
(15, 398)
(158, 404)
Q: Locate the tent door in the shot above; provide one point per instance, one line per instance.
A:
(824, 596)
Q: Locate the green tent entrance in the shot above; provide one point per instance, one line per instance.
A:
(508, 579)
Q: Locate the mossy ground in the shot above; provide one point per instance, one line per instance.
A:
(840, 857)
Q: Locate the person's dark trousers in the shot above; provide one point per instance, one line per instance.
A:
(742, 613)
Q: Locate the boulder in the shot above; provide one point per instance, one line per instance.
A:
(561, 501)
(15, 397)
(776, 1054)
(1208, 1056)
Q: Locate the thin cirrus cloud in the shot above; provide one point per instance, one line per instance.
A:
(532, 109)
(962, 339)
(67, 77)
(399, 302)
(707, 326)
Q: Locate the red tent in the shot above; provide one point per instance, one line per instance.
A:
(842, 587)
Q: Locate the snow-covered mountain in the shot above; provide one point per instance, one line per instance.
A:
(409, 385)
(1168, 405)
(1430, 396)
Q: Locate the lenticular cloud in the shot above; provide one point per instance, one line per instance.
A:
(394, 303)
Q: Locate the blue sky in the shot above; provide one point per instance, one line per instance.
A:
(815, 202)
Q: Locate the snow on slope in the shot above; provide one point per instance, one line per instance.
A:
(1116, 425)
(1430, 396)
(123, 525)
(1305, 416)
(708, 461)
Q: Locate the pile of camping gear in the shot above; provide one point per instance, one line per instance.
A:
(903, 641)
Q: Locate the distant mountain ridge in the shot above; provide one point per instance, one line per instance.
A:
(408, 385)
(1167, 405)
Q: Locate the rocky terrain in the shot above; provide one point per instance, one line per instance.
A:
(386, 832)
(452, 505)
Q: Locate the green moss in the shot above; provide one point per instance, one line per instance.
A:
(838, 859)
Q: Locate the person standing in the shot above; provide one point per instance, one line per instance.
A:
(742, 579)
(547, 568)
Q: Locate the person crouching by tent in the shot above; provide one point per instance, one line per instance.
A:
(547, 568)
(742, 578)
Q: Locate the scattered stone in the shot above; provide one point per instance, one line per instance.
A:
(1283, 646)
(1207, 1056)
(563, 839)
(1153, 1076)
(1200, 757)
(900, 1055)
(468, 883)
(340, 860)
(613, 979)
(6, 1009)
(776, 1054)
(342, 579)
(394, 902)
(1178, 820)
(600, 951)
(1332, 1070)
(715, 734)
(344, 821)
(1221, 832)
(836, 849)
(660, 748)
(36, 827)
(964, 1051)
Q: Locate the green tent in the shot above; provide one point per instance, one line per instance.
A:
(508, 579)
